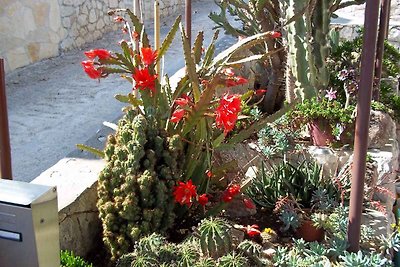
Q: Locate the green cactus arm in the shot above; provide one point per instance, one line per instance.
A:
(168, 39)
(209, 54)
(139, 28)
(190, 65)
(198, 47)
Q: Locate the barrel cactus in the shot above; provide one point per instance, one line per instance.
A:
(135, 187)
(215, 237)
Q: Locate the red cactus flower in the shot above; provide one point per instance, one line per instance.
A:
(230, 193)
(234, 81)
(119, 19)
(185, 192)
(180, 101)
(135, 35)
(260, 92)
(100, 53)
(227, 112)
(203, 199)
(253, 230)
(177, 115)
(249, 203)
(91, 71)
(276, 34)
(144, 80)
(148, 56)
(209, 174)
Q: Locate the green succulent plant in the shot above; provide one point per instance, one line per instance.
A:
(215, 237)
(233, 259)
(252, 251)
(68, 259)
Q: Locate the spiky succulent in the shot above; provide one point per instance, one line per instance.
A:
(253, 251)
(215, 237)
(135, 187)
(233, 260)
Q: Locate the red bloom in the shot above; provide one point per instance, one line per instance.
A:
(276, 34)
(101, 53)
(230, 193)
(184, 193)
(148, 56)
(227, 112)
(180, 101)
(203, 199)
(253, 230)
(91, 71)
(119, 19)
(177, 115)
(209, 174)
(228, 72)
(144, 80)
(233, 81)
(249, 203)
(260, 92)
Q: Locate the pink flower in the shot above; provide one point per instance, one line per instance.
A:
(331, 95)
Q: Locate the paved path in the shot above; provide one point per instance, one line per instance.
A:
(53, 105)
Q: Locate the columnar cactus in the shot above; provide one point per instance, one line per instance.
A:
(135, 187)
(215, 237)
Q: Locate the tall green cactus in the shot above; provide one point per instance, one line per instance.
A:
(135, 187)
(308, 44)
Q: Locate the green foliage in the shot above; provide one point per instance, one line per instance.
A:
(232, 259)
(252, 251)
(68, 259)
(215, 237)
(286, 179)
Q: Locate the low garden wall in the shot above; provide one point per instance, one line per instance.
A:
(34, 30)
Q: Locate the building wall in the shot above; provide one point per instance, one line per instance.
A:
(34, 30)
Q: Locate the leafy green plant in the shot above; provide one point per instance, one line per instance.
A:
(68, 259)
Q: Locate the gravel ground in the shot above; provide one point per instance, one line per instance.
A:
(53, 105)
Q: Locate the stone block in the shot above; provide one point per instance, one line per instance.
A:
(76, 181)
(66, 22)
(92, 16)
(48, 50)
(33, 51)
(100, 24)
(67, 11)
(17, 57)
(41, 13)
(28, 21)
(54, 17)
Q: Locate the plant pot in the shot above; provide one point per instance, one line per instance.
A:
(309, 232)
(320, 132)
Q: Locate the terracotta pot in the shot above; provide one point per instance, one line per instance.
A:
(320, 132)
(309, 232)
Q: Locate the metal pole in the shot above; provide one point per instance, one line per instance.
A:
(382, 35)
(362, 123)
(5, 149)
(188, 19)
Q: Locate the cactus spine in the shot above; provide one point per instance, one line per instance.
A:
(135, 187)
(215, 237)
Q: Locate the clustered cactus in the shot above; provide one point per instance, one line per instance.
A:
(207, 247)
(135, 188)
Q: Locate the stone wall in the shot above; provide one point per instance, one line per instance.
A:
(167, 7)
(29, 31)
(84, 21)
(34, 30)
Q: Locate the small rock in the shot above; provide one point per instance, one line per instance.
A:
(269, 253)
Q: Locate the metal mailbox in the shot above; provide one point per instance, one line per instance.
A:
(29, 231)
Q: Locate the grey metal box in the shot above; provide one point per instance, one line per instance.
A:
(29, 231)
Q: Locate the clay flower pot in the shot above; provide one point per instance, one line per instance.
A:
(320, 132)
(309, 232)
